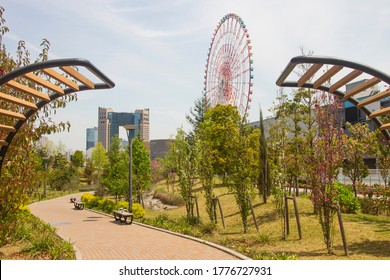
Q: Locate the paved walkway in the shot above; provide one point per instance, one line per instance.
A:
(96, 236)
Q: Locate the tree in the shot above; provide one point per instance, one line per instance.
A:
(62, 174)
(88, 171)
(186, 166)
(278, 157)
(231, 151)
(142, 179)
(357, 145)
(383, 154)
(264, 183)
(18, 176)
(327, 159)
(196, 116)
(99, 161)
(169, 167)
(115, 177)
(157, 170)
(245, 168)
(78, 159)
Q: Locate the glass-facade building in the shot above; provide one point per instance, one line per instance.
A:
(92, 137)
(116, 120)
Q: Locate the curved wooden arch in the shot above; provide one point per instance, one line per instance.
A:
(332, 66)
(33, 91)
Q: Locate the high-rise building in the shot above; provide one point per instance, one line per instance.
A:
(92, 137)
(103, 126)
(144, 129)
(117, 120)
(110, 123)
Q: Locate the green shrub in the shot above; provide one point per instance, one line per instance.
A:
(122, 204)
(346, 199)
(106, 205)
(367, 205)
(138, 211)
(93, 203)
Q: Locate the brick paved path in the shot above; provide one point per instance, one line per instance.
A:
(97, 236)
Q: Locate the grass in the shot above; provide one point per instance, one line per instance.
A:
(33, 239)
(368, 237)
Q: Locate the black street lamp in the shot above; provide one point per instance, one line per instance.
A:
(130, 130)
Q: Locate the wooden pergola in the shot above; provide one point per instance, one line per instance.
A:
(332, 74)
(33, 86)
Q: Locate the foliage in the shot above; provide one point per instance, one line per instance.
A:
(62, 175)
(106, 205)
(182, 225)
(18, 175)
(229, 149)
(156, 170)
(383, 157)
(99, 162)
(138, 211)
(168, 167)
(377, 201)
(264, 183)
(116, 175)
(186, 166)
(88, 171)
(165, 197)
(78, 159)
(85, 197)
(278, 157)
(142, 179)
(346, 199)
(197, 115)
(206, 172)
(326, 160)
(40, 239)
(357, 145)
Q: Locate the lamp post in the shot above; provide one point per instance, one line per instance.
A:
(130, 130)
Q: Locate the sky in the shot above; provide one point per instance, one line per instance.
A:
(156, 51)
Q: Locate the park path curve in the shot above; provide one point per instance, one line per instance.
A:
(96, 236)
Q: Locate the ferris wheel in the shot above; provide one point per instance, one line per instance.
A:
(228, 75)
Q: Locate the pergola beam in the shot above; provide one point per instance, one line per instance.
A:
(324, 83)
(26, 97)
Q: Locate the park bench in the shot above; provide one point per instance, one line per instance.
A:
(78, 204)
(122, 215)
(72, 198)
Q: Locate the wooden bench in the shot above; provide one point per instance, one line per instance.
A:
(78, 204)
(122, 215)
(72, 198)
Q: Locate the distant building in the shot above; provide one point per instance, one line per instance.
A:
(103, 125)
(110, 123)
(92, 137)
(158, 148)
(144, 125)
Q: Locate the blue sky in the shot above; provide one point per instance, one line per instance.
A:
(155, 51)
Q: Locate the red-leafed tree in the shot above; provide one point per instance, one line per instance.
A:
(325, 162)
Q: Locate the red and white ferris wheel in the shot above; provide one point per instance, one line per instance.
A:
(229, 67)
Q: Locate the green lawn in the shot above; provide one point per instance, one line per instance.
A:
(368, 237)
